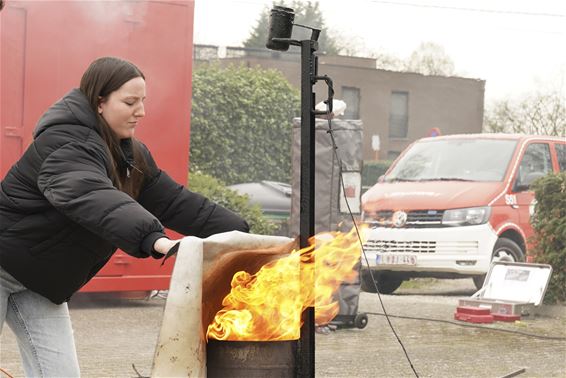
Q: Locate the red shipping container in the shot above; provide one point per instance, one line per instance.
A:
(45, 48)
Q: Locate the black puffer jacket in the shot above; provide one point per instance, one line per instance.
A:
(61, 218)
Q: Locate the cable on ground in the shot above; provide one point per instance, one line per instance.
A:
(557, 338)
(341, 179)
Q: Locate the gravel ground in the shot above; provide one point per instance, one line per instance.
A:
(441, 349)
(113, 334)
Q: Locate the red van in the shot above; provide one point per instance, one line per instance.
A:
(450, 205)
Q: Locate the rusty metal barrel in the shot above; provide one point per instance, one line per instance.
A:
(251, 359)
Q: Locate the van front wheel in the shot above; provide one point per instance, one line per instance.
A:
(503, 250)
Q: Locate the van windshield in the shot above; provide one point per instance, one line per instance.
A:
(454, 160)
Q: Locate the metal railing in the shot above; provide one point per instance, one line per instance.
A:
(212, 52)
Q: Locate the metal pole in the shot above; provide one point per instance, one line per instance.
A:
(305, 358)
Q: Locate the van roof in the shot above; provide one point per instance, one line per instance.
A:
(518, 137)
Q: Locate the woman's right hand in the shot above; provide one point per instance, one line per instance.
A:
(163, 245)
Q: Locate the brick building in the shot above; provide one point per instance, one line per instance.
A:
(399, 107)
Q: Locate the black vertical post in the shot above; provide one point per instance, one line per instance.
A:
(305, 360)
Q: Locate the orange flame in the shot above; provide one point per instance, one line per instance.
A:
(268, 305)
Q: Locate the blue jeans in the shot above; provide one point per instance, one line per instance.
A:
(42, 328)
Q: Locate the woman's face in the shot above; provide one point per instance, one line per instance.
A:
(123, 108)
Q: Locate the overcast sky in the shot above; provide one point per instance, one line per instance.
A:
(517, 46)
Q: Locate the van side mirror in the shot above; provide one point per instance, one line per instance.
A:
(381, 178)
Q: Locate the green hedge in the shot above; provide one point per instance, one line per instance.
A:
(241, 123)
(372, 170)
(216, 191)
(549, 223)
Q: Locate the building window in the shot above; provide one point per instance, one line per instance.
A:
(351, 96)
(399, 115)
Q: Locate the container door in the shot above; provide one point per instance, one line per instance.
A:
(12, 76)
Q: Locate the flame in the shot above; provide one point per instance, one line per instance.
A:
(268, 305)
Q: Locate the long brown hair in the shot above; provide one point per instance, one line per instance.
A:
(104, 76)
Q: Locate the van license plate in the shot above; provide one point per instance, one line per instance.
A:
(396, 260)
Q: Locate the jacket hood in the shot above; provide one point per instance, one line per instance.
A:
(72, 109)
(437, 195)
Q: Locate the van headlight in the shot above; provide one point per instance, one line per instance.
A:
(466, 217)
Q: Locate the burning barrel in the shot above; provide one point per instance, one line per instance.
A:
(243, 314)
(255, 332)
(251, 359)
(236, 301)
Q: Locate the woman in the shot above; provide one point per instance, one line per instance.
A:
(83, 188)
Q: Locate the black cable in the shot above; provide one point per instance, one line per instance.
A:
(138, 373)
(6, 373)
(341, 179)
(558, 338)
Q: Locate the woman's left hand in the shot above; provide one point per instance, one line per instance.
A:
(163, 245)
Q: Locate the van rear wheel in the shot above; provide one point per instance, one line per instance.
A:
(504, 250)
(386, 282)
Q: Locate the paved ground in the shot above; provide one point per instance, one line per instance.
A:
(114, 334)
(439, 349)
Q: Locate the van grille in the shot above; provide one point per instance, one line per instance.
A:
(421, 246)
(400, 246)
(415, 219)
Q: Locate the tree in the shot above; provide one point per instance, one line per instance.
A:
(306, 13)
(538, 113)
(356, 46)
(241, 123)
(549, 223)
(430, 59)
(387, 61)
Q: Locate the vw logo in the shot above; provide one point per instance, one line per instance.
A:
(399, 218)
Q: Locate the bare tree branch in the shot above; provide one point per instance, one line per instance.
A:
(539, 113)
